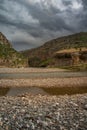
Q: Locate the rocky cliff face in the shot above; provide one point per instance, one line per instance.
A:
(71, 57)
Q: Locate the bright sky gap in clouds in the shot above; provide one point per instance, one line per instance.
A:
(29, 24)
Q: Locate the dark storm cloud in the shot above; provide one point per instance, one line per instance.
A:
(83, 16)
(30, 23)
(66, 3)
(85, 3)
(48, 18)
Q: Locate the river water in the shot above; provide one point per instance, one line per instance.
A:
(42, 91)
(42, 75)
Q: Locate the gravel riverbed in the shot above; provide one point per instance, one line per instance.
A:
(48, 77)
(28, 112)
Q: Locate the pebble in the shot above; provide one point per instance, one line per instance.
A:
(85, 107)
(43, 112)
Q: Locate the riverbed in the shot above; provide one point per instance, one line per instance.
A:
(42, 99)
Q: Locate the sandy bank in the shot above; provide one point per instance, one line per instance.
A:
(49, 82)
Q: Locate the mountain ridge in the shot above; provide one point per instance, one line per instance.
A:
(60, 43)
(46, 52)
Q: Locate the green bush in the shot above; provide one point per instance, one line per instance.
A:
(34, 61)
(45, 63)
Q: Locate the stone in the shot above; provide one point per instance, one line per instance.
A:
(85, 107)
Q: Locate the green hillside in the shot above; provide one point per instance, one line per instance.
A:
(8, 56)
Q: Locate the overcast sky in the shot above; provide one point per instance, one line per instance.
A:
(30, 23)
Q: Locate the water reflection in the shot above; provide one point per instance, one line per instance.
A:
(4, 91)
(42, 91)
(66, 90)
(23, 90)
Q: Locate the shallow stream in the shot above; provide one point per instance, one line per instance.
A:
(42, 91)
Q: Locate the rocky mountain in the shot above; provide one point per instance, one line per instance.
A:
(45, 54)
(8, 56)
(4, 40)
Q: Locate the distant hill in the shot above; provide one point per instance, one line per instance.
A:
(44, 55)
(8, 56)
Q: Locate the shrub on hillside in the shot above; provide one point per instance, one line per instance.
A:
(34, 62)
